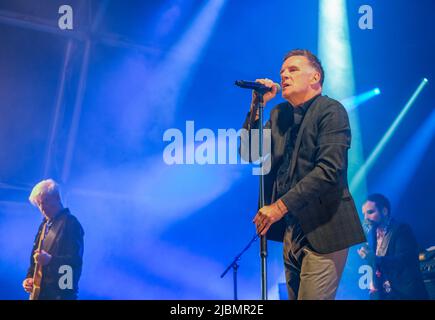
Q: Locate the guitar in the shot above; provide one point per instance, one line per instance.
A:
(37, 272)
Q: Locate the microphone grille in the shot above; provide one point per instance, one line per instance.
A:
(278, 87)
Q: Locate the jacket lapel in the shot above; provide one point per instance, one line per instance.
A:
(306, 120)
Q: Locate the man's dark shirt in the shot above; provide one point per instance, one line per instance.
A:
(64, 242)
(283, 181)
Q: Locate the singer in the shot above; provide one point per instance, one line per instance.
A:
(308, 204)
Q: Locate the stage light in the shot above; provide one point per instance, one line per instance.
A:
(181, 60)
(335, 52)
(403, 167)
(363, 171)
(352, 102)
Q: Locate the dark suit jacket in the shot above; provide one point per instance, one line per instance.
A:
(64, 242)
(398, 263)
(319, 196)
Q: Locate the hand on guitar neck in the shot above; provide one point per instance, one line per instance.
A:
(42, 257)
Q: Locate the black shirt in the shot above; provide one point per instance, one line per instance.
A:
(283, 180)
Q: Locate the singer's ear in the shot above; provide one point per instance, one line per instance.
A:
(316, 78)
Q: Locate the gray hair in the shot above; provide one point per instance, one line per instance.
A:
(45, 187)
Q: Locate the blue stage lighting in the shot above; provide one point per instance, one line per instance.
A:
(363, 171)
(404, 166)
(352, 102)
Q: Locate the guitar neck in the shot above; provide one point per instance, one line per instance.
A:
(37, 271)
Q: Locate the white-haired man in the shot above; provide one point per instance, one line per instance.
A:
(61, 247)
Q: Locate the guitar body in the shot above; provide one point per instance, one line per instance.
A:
(37, 277)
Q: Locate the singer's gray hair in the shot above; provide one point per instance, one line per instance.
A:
(45, 187)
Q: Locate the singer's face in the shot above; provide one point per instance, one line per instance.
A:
(297, 76)
(371, 212)
(48, 205)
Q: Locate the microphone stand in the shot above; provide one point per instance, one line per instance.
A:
(263, 241)
(258, 105)
(235, 266)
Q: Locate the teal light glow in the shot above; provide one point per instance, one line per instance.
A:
(354, 101)
(363, 171)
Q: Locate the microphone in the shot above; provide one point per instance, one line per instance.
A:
(260, 88)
